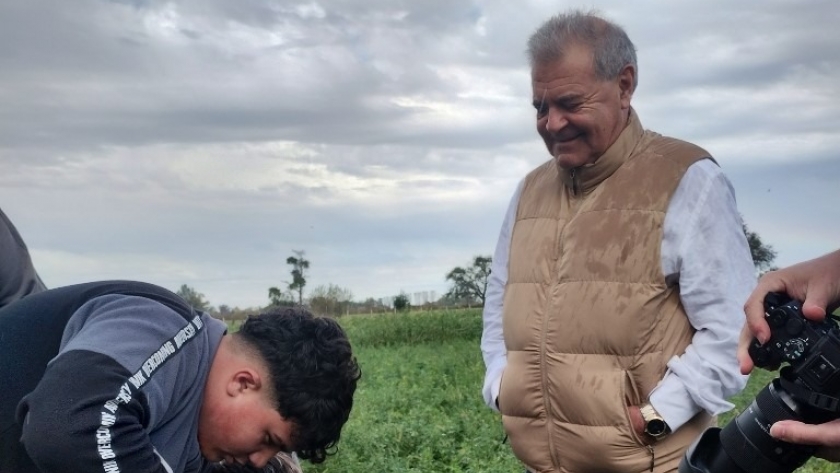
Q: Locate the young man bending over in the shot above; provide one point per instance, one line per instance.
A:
(127, 377)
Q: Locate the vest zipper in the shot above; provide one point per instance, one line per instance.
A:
(547, 401)
(652, 456)
(575, 183)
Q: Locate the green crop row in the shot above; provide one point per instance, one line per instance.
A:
(418, 406)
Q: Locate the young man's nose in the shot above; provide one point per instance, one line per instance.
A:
(260, 458)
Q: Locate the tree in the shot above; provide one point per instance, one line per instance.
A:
(280, 298)
(193, 298)
(330, 300)
(401, 302)
(370, 305)
(299, 267)
(470, 283)
(763, 255)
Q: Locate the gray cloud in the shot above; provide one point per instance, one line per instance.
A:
(201, 141)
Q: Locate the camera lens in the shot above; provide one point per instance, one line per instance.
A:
(747, 440)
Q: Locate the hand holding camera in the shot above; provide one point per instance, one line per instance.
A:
(807, 391)
(815, 282)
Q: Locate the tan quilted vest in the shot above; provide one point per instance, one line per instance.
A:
(589, 319)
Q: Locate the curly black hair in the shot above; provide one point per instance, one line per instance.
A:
(313, 373)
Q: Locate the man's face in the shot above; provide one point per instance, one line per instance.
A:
(242, 426)
(578, 115)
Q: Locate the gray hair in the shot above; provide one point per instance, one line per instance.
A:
(610, 45)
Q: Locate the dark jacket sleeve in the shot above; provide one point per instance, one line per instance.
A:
(85, 416)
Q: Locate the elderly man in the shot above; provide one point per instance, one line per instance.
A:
(614, 304)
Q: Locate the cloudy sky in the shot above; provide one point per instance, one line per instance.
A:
(202, 141)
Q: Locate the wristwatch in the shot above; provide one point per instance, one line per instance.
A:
(655, 425)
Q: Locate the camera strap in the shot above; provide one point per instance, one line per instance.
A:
(802, 394)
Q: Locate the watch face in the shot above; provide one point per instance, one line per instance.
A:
(655, 427)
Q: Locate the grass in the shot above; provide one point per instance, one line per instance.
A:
(418, 407)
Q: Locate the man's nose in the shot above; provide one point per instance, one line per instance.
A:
(555, 120)
(260, 458)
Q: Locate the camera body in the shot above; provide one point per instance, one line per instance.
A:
(811, 348)
(807, 390)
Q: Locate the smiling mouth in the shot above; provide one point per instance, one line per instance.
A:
(566, 139)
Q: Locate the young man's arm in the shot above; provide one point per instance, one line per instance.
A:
(105, 392)
(84, 413)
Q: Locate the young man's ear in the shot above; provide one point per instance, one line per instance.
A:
(244, 380)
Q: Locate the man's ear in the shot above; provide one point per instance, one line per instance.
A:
(243, 380)
(627, 84)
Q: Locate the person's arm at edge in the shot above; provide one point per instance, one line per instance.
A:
(716, 274)
(18, 277)
(492, 337)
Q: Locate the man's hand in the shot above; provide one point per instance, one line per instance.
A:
(815, 282)
(637, 422)
(827, 435)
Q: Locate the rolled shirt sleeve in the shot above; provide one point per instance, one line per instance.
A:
(705, 249)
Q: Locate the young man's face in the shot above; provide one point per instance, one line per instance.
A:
(578, 115)
(240, 424)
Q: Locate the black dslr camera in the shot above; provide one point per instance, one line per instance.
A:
(807, 390)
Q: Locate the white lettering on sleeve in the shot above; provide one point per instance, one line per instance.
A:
(108, 416)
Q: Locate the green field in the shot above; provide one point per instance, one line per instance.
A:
(418, 407)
